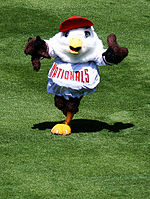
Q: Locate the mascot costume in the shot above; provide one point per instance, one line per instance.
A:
(74, 72)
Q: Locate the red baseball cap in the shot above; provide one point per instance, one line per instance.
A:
(74, 22)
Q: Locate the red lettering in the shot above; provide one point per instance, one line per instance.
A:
(78, 76)
(87, 75)
(59, 72)
(82, 77)
(52, 69)
(66, 74)
(72, 75)
(55, 71)
(62, 74)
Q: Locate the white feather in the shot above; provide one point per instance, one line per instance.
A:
(92, 46)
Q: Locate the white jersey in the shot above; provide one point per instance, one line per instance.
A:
(72, 80)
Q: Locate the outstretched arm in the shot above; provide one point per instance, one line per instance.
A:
(38, 49)
(115, 53)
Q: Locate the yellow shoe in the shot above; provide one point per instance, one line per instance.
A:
(61, 129)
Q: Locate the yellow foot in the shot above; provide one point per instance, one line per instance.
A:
(61, 129)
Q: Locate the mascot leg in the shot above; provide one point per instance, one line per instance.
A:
(69, 117)
(69, 108)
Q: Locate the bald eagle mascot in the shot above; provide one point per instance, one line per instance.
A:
(74, 72)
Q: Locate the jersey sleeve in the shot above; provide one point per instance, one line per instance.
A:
(100, 59)
(50, 49)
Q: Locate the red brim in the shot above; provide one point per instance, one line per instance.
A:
(74, 23)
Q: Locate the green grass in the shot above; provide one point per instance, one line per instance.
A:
(107, 155)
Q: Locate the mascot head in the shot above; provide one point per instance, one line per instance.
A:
(76, 41)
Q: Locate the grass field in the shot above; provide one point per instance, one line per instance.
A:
(107, 156)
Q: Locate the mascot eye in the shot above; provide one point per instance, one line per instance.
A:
(66, 33)
(87, 34)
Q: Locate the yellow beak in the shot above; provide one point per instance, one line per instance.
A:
(75, 45)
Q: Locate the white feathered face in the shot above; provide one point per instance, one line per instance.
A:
(77, 45)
